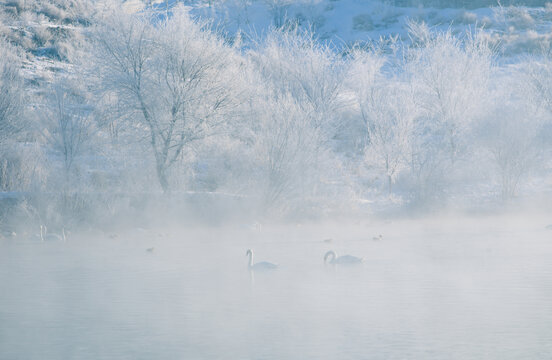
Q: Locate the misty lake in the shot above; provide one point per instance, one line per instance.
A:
(433, 289)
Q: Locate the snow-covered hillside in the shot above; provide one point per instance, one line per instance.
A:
(50, 31)
(517, 28)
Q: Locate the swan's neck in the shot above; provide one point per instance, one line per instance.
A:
(250, 258)
(41, 233)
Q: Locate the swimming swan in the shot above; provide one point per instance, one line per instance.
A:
(263, 265)
(345, 259)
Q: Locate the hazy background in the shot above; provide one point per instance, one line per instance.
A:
(146, 145)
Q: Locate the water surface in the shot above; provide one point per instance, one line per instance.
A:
(442, 289)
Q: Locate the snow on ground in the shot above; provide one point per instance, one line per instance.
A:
(518, 29)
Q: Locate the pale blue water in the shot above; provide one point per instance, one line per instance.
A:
(424, 293)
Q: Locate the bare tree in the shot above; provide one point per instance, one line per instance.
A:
(174, 76)
(11, 94)
(70, 124)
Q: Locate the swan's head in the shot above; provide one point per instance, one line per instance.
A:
(248, 252)
(328, 255)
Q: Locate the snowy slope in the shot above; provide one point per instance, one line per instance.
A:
(48, 33)
(517, 29)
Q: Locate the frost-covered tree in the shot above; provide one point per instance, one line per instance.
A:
(297, 64)
(175, 76)
(387, 110)
(512, 131)
(287, 147)
(389, 116)
(71, 126)
(539, 78)
(513, 144)
(13, 168)
(450, 75)
(300, 84)
(11, 93)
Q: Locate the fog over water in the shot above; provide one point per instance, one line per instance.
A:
(147, 146)
(448, 288)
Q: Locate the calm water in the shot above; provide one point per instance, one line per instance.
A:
(432, 290)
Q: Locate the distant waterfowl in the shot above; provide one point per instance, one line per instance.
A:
(377, 238)
(150, 250)
(329, 240)
(8, 234)
(332, 258)
(263, 265)
(45, 236)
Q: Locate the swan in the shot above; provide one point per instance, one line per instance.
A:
(44, 236)
(263, 265)
(345, 259)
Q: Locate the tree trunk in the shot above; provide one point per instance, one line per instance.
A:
(389, 179)
(162, 177)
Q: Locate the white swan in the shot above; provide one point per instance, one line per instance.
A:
(263, 265)
(332, 258)
(44, 236)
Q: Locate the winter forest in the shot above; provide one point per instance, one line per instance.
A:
(106, 107)
(414, 133)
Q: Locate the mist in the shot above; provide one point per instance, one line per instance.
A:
(275, 180)
(447, 287)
